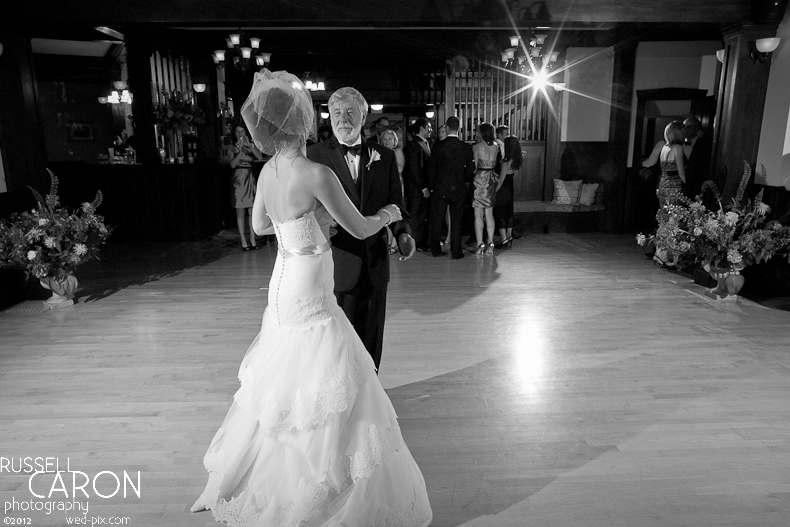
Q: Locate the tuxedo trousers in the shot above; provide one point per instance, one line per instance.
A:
(419, 209)
(366, 308)
(439, 204)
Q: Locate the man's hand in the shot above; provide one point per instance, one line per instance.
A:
(407, 246)
(426, 193)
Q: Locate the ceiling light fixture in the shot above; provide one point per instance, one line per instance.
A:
(529, 59)
(243, 53)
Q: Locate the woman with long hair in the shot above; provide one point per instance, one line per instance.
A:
(503, 209)
(486, 154)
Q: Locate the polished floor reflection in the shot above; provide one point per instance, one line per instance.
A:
(565, 382)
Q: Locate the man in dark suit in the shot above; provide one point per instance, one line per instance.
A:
(415, 182)
(450, 172)
(369, 175)
(697, 154)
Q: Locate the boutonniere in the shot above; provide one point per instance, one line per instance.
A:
(373, 156)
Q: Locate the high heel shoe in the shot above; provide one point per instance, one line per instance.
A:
(480, 248)
(490, 248)
(506, 243)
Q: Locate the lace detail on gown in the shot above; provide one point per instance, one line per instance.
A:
(308, 299)
(303, 411)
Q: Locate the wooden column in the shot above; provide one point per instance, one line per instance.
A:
(620, 133)
(23, 144)
(740, 107)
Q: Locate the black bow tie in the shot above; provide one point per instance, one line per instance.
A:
(353, 150)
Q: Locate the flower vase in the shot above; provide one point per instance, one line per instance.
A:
(179, 146)
(729, 281)
(62, 290)
(171, 146)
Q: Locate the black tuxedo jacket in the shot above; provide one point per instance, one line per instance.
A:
(450, 168)
(697, 166)
(376, 187)
(415, 173)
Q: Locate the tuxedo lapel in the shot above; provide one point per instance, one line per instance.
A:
(340, 166)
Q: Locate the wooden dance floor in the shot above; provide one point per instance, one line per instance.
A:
(565, 382)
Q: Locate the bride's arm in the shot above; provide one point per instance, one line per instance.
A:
(261, 223)
(328, 190)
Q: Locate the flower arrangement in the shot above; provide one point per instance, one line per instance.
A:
(177, 112)
(50, 241)
(731, 238)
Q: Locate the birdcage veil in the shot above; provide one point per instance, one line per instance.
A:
(278, 111)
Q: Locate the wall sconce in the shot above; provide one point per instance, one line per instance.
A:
(119, 85)
(760, 49)
(324, 115)
(199, 88)
(559, 86)
(720, 55)
(429, 113)
(376, 107)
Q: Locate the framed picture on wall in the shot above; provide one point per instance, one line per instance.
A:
(80, 131)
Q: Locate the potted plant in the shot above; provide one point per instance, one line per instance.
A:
(722, 241)
(49, 242)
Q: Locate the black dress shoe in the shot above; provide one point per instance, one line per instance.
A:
(254, 247)
(441, 253)
(245, 249)
(458, 257)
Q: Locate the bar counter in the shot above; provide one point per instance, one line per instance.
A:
(152, 202)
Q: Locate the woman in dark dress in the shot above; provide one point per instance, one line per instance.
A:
(503, 207)
(240, 156)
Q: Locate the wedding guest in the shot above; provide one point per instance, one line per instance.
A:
(673, 176)
(415, 179)
(672, 159)
(390, 139)
(503, 208)
(450, 171)
(697, 152)
(240, 156)
(502, 132)
(441, 133)
(324, 133)
(486, 157)
(369, 175)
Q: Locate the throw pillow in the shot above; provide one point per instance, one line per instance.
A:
(587, 196)
(567, 192)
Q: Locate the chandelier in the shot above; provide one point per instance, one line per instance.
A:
(530, 60)
(243, 53)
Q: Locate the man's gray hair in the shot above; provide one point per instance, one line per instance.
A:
(349, 94)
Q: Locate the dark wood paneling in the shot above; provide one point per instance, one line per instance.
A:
(156, 203)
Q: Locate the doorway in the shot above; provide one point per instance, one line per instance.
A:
(654, 111)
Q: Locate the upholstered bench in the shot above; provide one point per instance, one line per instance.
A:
(546, 217)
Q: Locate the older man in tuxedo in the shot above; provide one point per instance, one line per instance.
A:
(451, 168)
(369, 175)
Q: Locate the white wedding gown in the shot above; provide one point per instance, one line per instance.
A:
(311, 438)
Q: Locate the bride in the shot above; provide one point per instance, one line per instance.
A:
(311, 438)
